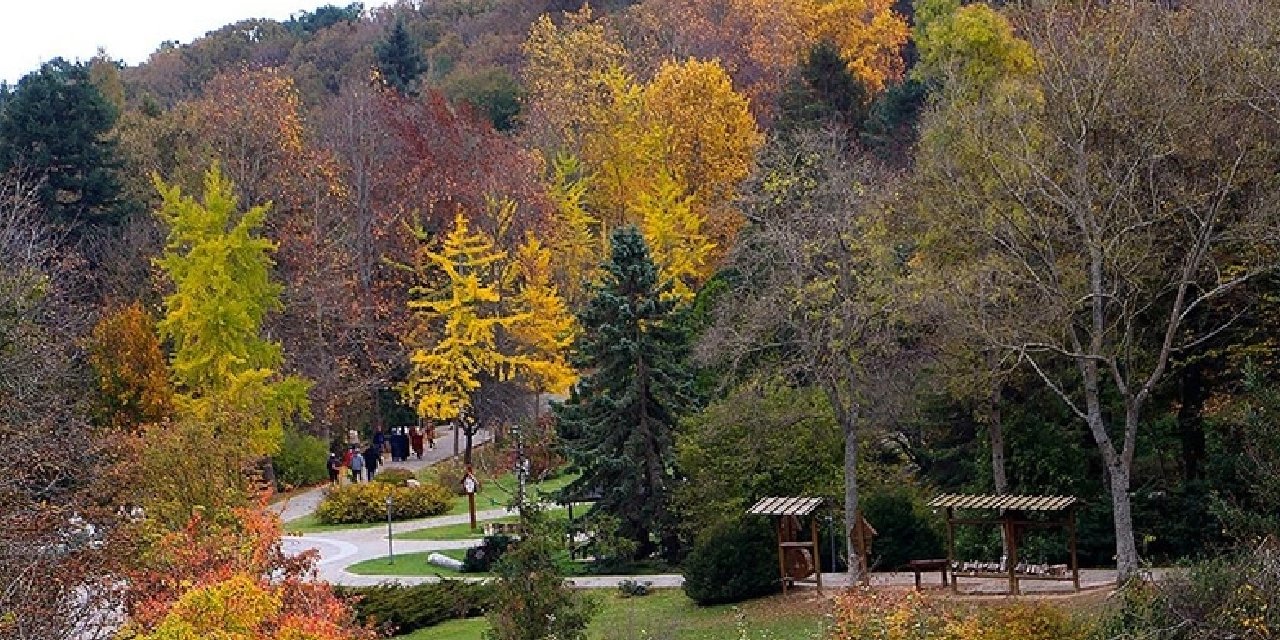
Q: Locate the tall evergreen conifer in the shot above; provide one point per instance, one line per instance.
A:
(618, 423)
(823, 91)
(400, 59)
(56, 124)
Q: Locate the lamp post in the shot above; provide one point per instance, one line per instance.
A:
(391, 553)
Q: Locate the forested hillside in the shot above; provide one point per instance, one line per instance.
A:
(868, 250)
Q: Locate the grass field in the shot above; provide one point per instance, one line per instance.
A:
(463, 531)
(497, 493)
(669, 615)
(309, 524)
(410, 564)
(415, 565)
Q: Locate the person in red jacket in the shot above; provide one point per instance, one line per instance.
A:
(415, 440)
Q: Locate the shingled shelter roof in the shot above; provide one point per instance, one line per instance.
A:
(785, 506)
(1003, 502)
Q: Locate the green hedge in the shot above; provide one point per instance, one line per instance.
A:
(400, 609)
(367, 502)
(301, 461)
(734, 562)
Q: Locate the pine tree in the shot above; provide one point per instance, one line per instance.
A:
(56, 125)
(400, 59)
(618, 423)
(824, 91)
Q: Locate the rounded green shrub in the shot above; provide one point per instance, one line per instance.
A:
(367, 502)
(447, 473)
(481, 559)
(734, 562)
(301, 461)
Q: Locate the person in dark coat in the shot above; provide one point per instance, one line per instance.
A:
(334, 465)
(400, 443)
(380, 441)
(371, 457)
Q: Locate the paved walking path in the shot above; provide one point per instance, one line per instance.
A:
(340, 549)
(305, 503)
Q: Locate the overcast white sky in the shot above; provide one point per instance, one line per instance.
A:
(34, 31)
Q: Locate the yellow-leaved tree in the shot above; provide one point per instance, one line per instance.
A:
(709, 140)
(227, 374)
(974, 43)
(667, 157)
(575, 240)
(455, 328)
(869, 35)
(673, 229)
(547, 328)
(564, 74)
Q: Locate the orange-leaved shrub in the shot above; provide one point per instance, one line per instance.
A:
(229, 578)
(367, 502)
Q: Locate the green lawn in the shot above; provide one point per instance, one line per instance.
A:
(668, 614)
(463, 531)
(410, 564)
(495, 494)
(415, 564)
(309, 524)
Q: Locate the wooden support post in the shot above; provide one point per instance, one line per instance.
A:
(1011, 534)
(1075, 563)
(782, 557)
(951, 550)
(817, 553)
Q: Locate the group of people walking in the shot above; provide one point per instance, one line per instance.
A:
(403, 442)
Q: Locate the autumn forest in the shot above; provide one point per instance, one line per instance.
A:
(671, 256)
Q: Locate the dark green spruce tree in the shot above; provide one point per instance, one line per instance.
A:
(617, 425)
(400, 59)
(56, 124)
(822, 91)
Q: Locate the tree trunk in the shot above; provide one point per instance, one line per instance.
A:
(995, 431)
(847, 416)
(1191, 421)
(1126, 546)
(466, 454)
(851, 496)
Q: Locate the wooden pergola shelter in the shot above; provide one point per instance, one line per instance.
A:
(1012, 520)
(797, 558)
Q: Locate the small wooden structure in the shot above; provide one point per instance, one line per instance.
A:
(1012, 521)
(798, 558)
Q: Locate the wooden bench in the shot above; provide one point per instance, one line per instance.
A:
(919, 566)
(501, 529)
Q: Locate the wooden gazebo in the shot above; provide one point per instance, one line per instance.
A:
(798, 558)
(1012, 519)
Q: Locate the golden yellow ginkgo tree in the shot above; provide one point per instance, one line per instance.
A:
(547, 329)
(465, 333)
(454, 339)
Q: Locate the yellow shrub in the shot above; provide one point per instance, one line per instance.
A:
(866, 614)
(367, 502)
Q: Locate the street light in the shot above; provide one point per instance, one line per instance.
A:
(391, 553)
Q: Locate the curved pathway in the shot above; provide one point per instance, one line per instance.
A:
(340, 549)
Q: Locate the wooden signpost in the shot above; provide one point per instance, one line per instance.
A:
(470, 485)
